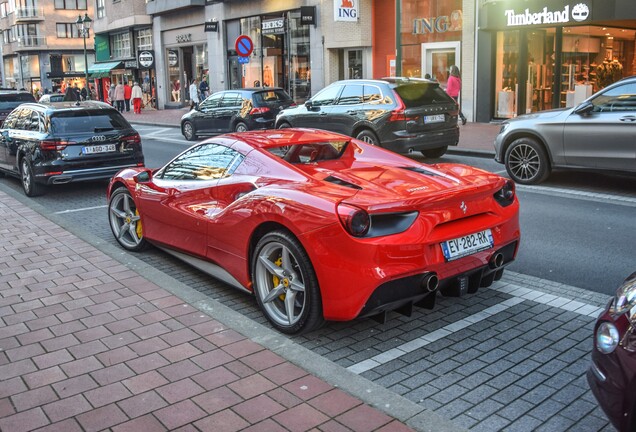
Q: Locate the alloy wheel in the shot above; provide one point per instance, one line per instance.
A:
(524, 162)
(125, 221)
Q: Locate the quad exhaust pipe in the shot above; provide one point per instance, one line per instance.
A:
(496, 261)
(430, 282)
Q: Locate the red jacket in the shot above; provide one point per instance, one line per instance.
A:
(127, 91)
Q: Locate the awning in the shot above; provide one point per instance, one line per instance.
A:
(101, 70)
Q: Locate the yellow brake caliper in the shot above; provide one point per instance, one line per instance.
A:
(138, 229)
(276, 279)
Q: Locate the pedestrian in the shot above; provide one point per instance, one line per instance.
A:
(204, 88)
(137, 96)
(77, 92)
(84, 93)
(111, 95)
(119, 97)
(70, 95)
(454, 87)
(127, 95)
(194, 94)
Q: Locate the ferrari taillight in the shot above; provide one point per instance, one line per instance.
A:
(506, 195)
(54, 145)
(355, 220)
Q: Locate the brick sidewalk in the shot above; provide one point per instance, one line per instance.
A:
(88, 344)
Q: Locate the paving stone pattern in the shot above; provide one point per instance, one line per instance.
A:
(87, 344)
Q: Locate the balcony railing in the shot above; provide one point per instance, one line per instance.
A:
(31, 42)
(28, 13)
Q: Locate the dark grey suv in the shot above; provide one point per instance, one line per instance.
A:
(400, 114)
(64, 142)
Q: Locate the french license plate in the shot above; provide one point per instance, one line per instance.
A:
(104, 148)
(437, 118)
(469, 244)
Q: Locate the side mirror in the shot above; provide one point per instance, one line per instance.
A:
(309, 105)
(584, 109)
(143, 177)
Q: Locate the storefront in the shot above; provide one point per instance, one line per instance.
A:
(280, 56)
(429, 40)
(186, 59)
(545, 54)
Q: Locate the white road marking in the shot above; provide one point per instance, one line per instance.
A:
(159, 131)
(579, 194)
(519, 294)
(80, 209)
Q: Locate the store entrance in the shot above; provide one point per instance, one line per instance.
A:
(438, 57)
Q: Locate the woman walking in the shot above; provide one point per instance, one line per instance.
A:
(119, 97)
(454, 87)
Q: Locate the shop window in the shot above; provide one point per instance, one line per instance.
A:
(506, 74)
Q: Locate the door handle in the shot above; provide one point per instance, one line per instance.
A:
(628, 119)
(322, 113)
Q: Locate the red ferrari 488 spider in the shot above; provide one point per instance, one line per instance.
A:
(321, 226)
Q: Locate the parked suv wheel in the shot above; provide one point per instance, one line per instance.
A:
(368, 137)
(527, 162)
(31, 188)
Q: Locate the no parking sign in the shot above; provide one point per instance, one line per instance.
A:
(244, 46)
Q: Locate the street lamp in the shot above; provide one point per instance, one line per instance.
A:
(83, 27)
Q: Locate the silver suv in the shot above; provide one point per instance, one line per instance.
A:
(598, 134)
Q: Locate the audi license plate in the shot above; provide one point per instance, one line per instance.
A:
(104, 148)
(462, 246)
(437, 118)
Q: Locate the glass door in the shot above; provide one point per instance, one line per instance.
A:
(437, 58)
(298, 83)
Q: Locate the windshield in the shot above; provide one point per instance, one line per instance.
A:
(311, 152)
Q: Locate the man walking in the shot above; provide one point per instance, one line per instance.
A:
(127, 95)
(137, 95)
(204, 88)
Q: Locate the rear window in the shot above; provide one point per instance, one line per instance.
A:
(12, 100)
(87, 121)
(418, 94)
(274, 97)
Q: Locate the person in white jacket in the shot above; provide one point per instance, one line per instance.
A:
(194, 94)
(136, 97)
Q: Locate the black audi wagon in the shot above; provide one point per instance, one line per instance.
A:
(55, 143)
(400, 114)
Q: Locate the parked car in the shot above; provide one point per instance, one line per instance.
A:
(51, 97)
(597, 134)
(10, 99)
(320, 226)
(612, 374)
(56, 143)
(237, 110)
(399, 114)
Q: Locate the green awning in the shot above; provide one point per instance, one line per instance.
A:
(101, 70)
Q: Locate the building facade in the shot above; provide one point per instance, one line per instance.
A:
(41, 54)
(298, 45)
(124, 46)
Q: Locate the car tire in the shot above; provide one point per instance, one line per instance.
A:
(435, 153)
(285, 284)
(27, 178)
(527, 161)
(284, 125)
(240, 127)
(189, 132)
(125, 222)
(368, 137)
